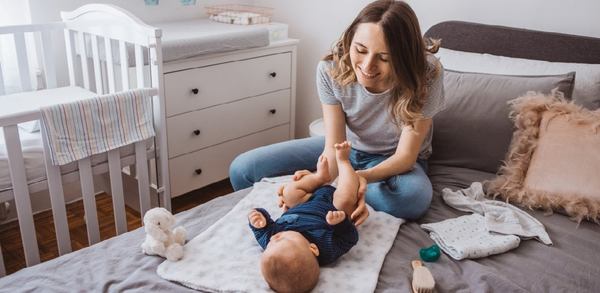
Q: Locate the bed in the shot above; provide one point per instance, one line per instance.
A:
(570, 265)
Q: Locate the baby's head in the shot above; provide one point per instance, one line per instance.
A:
(289, 263)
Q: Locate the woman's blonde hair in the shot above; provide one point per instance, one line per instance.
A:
(408, 57)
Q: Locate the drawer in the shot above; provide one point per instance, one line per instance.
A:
(203, 87)
(214, 161)
(199, 129)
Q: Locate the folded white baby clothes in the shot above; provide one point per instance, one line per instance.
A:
(467, 237)
(500, 217)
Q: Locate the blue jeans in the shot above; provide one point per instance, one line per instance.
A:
(406, 195)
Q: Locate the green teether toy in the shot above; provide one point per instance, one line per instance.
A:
(430, 254)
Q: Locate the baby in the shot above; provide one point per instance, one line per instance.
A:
(315, 228)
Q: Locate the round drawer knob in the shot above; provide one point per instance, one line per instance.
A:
(273, 74)
(198, 171)
(196, 132)
(273, 111)
(195, 91)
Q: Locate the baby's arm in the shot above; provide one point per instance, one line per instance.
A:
(345, 234)
(335, 217)
(262, 226)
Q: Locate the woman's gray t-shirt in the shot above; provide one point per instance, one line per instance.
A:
(368, 125)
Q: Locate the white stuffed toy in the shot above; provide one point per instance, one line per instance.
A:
(160, 240)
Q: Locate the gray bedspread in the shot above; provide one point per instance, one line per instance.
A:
(572, 264)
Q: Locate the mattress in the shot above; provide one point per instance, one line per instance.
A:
(191, 38)
(570, 265)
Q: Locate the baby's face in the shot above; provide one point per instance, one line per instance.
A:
(286, 241)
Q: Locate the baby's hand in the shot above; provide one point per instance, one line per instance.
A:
(335, 217)
(299, 174)
(281, 204)
(256, 219)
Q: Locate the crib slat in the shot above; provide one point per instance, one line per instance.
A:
(84, 59)
(57, 200)
(109, 65)
(141, 166)
(70, 56)
(2, 269)
(1, 81)
(96, 58)
(21, 194)
(124, 65)
(89, 200)
(21, 51)
(49, 67)
(116, 187)
(162, 172)
(139, 66)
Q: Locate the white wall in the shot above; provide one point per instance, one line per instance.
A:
(573, 17)
(167, 10)
(319, 23)
(14, 12)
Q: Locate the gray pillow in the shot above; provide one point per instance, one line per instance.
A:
(474, 130)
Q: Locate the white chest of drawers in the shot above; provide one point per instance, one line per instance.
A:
(221, 105)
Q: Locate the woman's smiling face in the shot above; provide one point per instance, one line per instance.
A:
(370, 58)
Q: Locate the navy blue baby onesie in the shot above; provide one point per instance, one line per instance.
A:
(309, 220)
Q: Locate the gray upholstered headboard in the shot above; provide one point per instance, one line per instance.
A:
(515, 42)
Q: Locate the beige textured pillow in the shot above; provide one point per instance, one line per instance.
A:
(553, 162)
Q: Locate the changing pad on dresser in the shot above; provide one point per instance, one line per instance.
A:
(191, 38)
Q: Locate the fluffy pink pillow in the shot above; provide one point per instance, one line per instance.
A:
(554, 159)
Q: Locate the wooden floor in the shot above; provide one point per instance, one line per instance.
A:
(10, 237)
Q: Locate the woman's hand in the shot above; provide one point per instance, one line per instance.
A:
(361, 213)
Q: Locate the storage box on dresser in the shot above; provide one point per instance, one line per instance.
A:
(221, 105)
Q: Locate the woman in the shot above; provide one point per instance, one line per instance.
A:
(379, 89)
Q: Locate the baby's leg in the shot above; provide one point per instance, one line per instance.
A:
(311, 181)
(291, 196)
(345, 197)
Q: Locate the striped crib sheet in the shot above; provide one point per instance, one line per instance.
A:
(84, 128)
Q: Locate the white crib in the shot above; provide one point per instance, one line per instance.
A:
(89, 32)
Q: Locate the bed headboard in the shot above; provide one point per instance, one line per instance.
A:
(516, 42)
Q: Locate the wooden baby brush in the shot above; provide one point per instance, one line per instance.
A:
(422, 281)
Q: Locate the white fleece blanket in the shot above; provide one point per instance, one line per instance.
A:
(225, 257)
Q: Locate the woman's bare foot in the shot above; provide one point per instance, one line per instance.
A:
(323, 169)
(342, 151)
(335, 217)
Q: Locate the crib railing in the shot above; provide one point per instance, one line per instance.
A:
(90, 33)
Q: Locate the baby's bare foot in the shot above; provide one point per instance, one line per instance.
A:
(335, 217)
(342, 151)
(323, 169)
